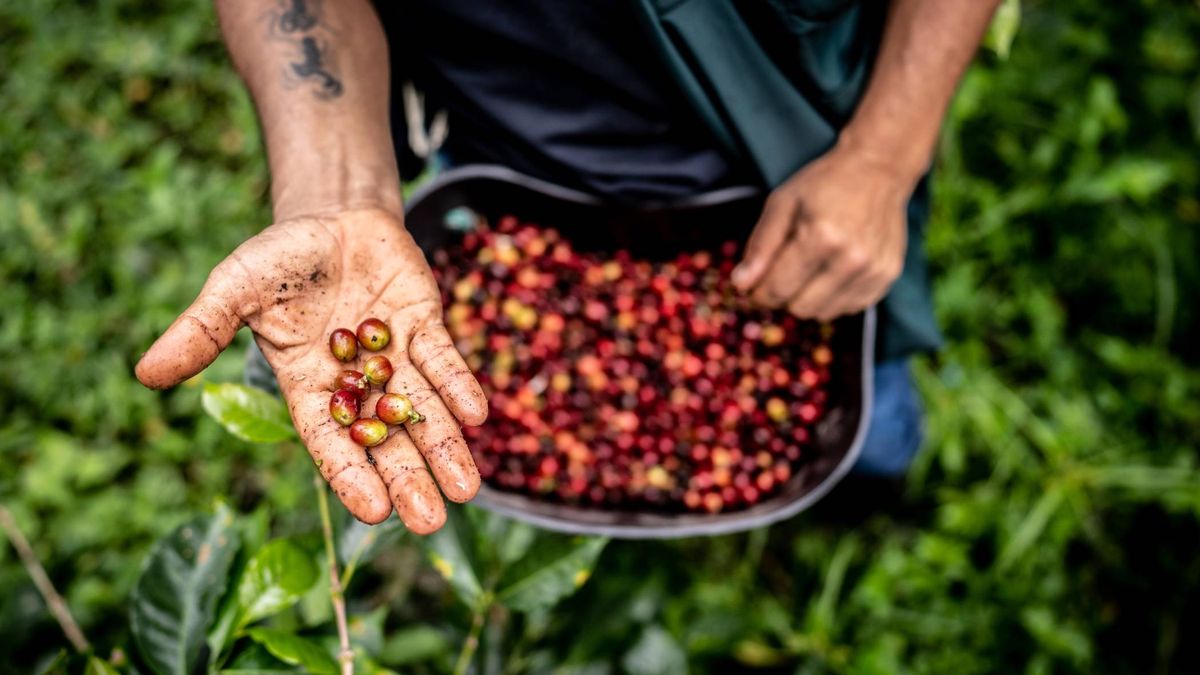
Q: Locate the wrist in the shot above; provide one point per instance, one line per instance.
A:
(336, 181)
(905, 161)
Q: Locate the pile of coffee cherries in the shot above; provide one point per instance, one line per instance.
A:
(617, 383)
(351, 387)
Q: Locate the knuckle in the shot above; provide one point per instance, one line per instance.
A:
(800, 309)
(856, 261)
(826, 240)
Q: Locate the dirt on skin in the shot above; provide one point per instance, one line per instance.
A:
(296, 282)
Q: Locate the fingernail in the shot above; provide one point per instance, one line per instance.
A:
(738, 276)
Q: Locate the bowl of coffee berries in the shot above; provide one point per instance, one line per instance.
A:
(633, 392)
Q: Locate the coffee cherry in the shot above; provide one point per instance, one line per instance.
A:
(353, 381)
(378, 370)
(343, 344)
(343, 407)
(373, 334)
(368, 432)
(397, 409)
(620, 383)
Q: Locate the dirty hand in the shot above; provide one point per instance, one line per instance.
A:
(830, 240)
(295, 283)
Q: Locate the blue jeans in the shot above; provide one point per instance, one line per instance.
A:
(894, 432)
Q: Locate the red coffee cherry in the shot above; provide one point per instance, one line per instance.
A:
(378, 370)
(353, 381)
(343, 407)
(373, 334)
(397, 409)
(343, 344)
(368, 432)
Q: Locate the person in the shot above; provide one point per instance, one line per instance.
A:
(832, 105)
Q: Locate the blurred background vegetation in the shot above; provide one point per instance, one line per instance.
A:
(1051, 523)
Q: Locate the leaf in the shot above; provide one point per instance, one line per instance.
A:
(248, 413)
(177, 591)
(359, 542)
(275, 579)
(1003, 29)
(451, 552)
(253, 657)
(1030, 528)
(294, 649)
(98, 666)
(413, 645)
(655, 653)
(555, 568)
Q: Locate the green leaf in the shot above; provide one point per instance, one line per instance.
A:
(1003, 29)
(1030, 528)
(655, 653)
(176, 594)
(451, 552)
(275, 579)
(555, 568)
(359, 542)
(98, 666)
(296, 650)
(413, 645)
(248, 413)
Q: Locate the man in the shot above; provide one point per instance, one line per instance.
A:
(633, 100)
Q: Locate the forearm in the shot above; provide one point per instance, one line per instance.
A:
(927, 45)
(318, 73)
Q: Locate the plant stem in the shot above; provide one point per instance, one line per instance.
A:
(472, 642)
(54, 601)
(345, 654)
(352, 563)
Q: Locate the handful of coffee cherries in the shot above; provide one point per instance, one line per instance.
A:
(351, 387)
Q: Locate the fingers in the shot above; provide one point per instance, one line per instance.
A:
(439, 437)
(852, 280)
(411, 488)
(774, 228)
(792, 270)
(341, 461)
(202, 332)
(829, 293)
(434, 354)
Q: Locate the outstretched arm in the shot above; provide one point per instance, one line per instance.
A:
(831, 240)
(338, 253)
(318, 72)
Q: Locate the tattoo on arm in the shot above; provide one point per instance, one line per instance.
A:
(297, 18)
(298, 24)
(329, 86)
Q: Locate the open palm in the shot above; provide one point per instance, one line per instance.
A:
(295, 283)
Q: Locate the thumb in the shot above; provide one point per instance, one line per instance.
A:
(195, 339)
(769, 235)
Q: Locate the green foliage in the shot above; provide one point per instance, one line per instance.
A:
(278, 575)
(1049, 525)
(176, 595)
(248, 413)
(295, 650)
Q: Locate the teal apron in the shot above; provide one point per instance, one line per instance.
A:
(780, 107)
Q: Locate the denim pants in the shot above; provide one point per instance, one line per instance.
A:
(895, 430)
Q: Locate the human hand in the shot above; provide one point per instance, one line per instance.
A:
(830, 240)
(296, 282)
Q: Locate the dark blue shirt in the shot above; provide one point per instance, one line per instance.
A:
(570, 92)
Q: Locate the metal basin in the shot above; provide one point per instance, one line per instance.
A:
(655, 233)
